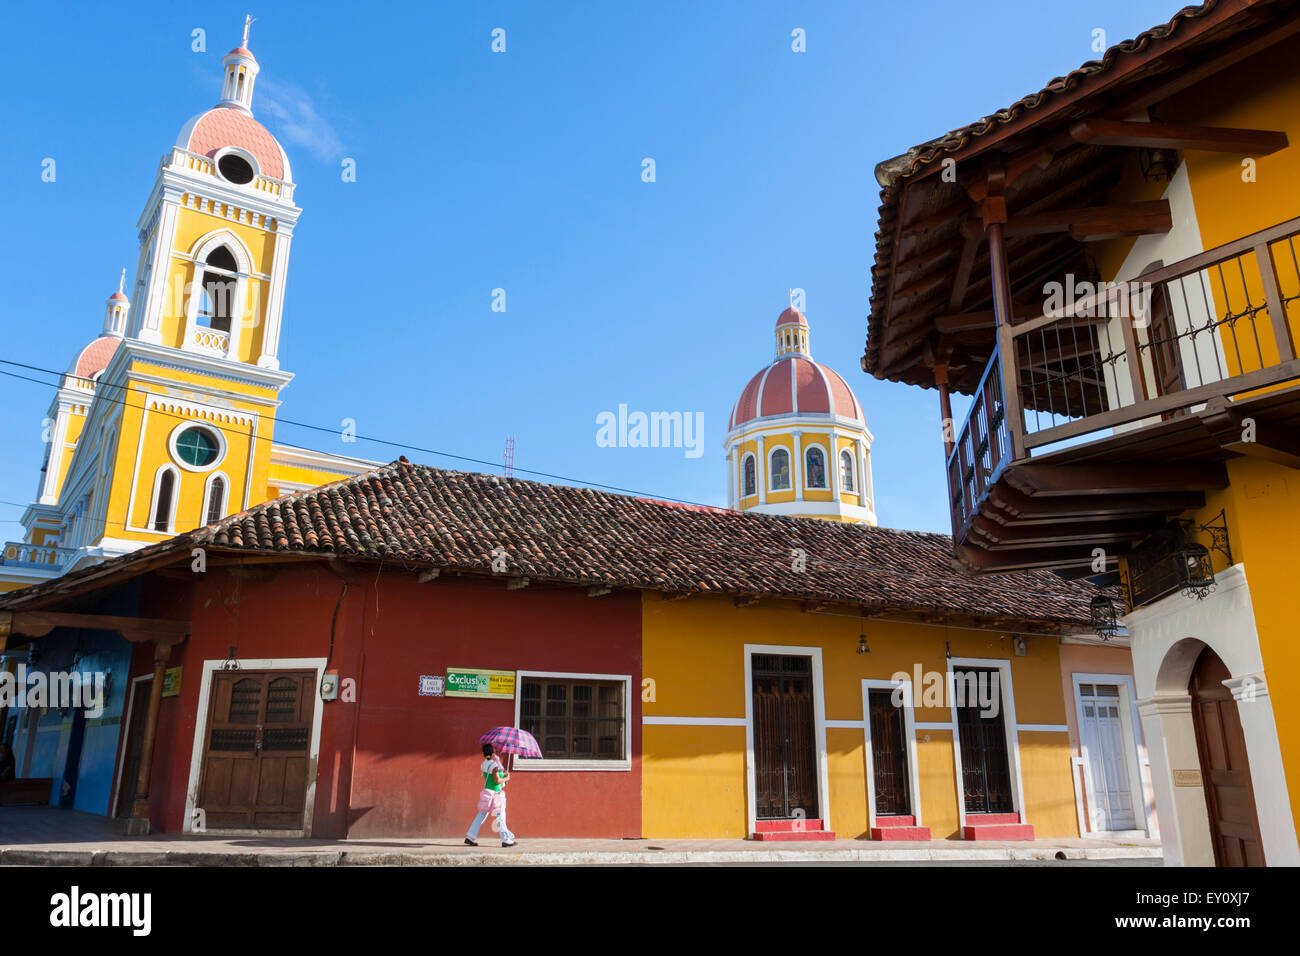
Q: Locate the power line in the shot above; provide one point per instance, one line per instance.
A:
(404, 446)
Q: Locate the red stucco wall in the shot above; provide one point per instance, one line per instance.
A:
(394, 763)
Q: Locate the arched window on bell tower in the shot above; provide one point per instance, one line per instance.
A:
(164, 500)
(217, 290)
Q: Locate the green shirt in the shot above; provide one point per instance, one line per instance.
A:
(489, 769)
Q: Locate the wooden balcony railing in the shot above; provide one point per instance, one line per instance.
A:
(982, 449)
(1131, 354)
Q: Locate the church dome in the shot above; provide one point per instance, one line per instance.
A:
(795, 385)
(797, 439)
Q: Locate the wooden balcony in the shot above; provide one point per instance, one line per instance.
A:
(1096, 422)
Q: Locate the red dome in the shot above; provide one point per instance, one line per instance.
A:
(225, 126)
(242, 51)
(791, 316)
(94, 358)
(118, 296)
(795, 385)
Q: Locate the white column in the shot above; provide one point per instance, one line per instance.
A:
(733, 493)
(1171, 745)
(763, 476)
(796, 464)
(159, 276)
(275, 298)
(1267, 776)
(865, 498)
(833, 466)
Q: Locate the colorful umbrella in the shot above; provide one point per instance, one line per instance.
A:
(512, 740)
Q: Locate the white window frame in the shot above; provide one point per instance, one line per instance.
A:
(758, 480)
(151, 522)
(1009, 727)
(909, 735)
(819, 728)
(853, 483)
(213, 430)
(810, 446)
(207, 496)
(585, 764)
(1133, 751)
(771, 471)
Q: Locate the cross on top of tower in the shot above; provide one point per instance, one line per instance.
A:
(248, 22)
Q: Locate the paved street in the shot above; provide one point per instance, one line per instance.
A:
(48, 836)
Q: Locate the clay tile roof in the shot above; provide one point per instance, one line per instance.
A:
(893, 174)
(417, 514)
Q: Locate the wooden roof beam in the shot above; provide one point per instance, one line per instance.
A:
(1116, 479)
(134, 629)
(1091, 223)
(1223, 139)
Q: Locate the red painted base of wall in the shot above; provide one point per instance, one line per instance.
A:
(790, 830)
(899, 828)
(996, 826)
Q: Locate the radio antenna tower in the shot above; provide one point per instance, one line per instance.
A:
(509, 469)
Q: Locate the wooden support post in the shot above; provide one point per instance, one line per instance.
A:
(995, 214)
(138, 825)
(945, 411)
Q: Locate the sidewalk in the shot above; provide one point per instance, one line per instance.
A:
(41, 836)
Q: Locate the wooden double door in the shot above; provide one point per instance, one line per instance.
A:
(785, 754)
(985, 771)
(1225, 771)
(257, 754)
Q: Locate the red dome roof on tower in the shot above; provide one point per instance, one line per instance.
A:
(94, 358)
(241, 51)
(224, 126)
(795, 384)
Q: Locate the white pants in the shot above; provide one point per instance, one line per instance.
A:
(506, 835)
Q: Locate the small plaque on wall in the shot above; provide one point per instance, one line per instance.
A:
(431, 685)
(1187, 778)
(171, 682)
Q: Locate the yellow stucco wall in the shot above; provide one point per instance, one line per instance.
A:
(694, 776)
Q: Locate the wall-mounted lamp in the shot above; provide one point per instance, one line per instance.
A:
(1158, 164)
(862, 644)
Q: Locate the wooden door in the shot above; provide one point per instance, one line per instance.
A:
(785, 771)
(986, 775)
(130, 774)
(1225, 771)
(258, 751)
(888, 755)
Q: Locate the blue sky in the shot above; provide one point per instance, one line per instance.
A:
(522, 171)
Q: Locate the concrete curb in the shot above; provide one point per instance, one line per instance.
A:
(20, 856)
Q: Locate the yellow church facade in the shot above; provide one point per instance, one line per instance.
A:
(166, 421)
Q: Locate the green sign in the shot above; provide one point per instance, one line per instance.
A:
(473, 682)
(171, 682)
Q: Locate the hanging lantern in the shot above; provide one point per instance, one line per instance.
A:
(1196, 573)
(1102, 617)
(1158, 164)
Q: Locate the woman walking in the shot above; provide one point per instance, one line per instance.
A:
(492, 799)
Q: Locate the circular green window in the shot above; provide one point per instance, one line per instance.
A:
(196, 447)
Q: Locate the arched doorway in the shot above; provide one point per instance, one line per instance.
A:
(1225, 770)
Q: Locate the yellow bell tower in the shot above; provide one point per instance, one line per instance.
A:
(165, 422)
